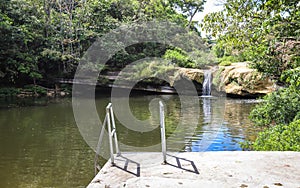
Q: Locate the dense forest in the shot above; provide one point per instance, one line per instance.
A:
(44, 40)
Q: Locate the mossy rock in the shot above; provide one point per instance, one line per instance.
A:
(225, 63)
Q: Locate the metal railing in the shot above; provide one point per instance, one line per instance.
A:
(112, 133)
(162, 131)
(109, 121)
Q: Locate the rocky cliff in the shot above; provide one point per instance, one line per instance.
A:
(195, 75)
(240, 80)
(234, 80)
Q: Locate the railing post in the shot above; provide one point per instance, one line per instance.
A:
(114, 130)
(162, 131)
(109, 134)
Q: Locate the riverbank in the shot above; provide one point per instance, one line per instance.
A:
(207, 169)
(235, 80)
(35, 91)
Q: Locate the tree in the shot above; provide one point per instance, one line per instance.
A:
(134, 11)
(265, 32)
(20, 41)
(189, 8)
(43, 40)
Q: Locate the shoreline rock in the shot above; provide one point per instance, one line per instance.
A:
(240, 80)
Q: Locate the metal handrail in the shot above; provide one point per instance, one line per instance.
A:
(112, 132)
(109, 120)
(162, 132)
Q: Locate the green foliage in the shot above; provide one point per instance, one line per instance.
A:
(46, 39)
(232, 59)
(179, 58)
(150, 69)
(8, 92)
(218, 50)
(203, 57)
(281, 113)
(196, 59)
(264, 32)
(292, 77)
(35, 89)
(136, 52)
(279, 138)
(21, 37)
(278, 108)
(225, 63)
(189, 8)
(11, 92)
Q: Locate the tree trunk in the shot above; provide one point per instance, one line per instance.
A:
(191, 18)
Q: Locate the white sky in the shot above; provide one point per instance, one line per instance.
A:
(209, 6)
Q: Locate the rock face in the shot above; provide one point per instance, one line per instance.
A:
(239, 80)
(195, 75)
(235, 80)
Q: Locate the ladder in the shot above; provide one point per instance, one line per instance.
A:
(109, 121)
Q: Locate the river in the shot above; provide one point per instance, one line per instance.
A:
(41, 145)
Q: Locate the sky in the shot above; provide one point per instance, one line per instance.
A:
(209, 6)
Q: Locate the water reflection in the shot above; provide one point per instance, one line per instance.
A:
(209, 126)
(206, 109)
(225, 125)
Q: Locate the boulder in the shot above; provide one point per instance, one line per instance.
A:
(195, 75)
(240, 80)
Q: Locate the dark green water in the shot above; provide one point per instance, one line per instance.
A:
(42, 147)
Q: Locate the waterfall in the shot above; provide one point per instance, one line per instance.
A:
(206, 88)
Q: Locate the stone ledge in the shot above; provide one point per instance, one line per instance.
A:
(209, 169)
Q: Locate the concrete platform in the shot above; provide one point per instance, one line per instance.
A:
(208, 169)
